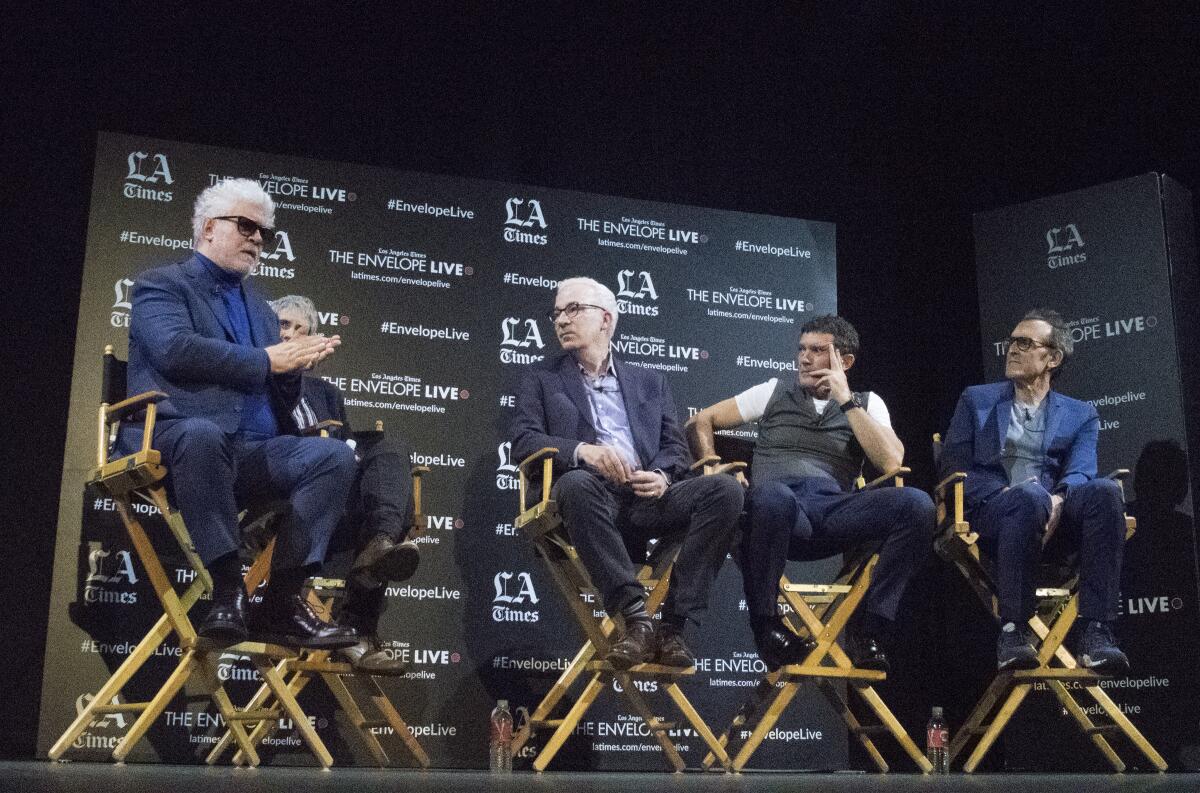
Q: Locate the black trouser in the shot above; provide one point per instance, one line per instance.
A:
(380, 502)
(809, 518)
(607, 522)
(1011, 524)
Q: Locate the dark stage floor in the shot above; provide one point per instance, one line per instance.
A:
(39, 776)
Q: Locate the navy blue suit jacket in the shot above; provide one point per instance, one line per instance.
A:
(553, 410)
(976, 437)
(181, 343)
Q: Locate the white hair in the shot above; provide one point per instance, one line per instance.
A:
(600, 294)
(217, 200)
(301, 304)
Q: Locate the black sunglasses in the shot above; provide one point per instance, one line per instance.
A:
(246, 227)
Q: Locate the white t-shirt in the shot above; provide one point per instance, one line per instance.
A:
(752, 403)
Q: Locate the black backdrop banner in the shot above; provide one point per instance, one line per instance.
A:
(439, 287)
(1104, 257)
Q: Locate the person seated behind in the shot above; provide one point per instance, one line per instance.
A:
(1029, 453)
(379, 511)
(201, 332)
(621, 475)
(813, 436)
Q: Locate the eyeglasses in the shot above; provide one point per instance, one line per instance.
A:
(246, 227)
(1025, 344)
(571, 310)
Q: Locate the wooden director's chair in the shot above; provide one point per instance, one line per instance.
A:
(140, 476)
(543, 525)
(819, 612)
(1056, 610)
(309, 665)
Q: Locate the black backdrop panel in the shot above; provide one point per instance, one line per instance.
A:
(1104, 259)
(439, 288)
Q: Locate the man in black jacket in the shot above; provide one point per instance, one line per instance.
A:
(379, 511)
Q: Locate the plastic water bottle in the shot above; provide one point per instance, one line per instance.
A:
(937, 742)
(500, 751)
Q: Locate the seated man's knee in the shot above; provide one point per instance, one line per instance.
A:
(1029, 499)
(916, 510)
(334, 453)
(1101, 492)
(199, 436)
(771, 502)
(575, 484)
(726, 493)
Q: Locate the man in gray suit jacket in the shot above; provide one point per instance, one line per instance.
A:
(620, 474)
(200, 332)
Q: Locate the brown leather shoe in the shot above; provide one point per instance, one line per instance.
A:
(371, 657)
(672, 651)
(637, 646)
(383, 560)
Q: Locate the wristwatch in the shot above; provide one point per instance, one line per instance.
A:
(855, 401)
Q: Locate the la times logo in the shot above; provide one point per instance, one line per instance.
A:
(147, 174)
(1059, 244)
(506, 471)
(515, 598)
(122, 303)
(282, 252)
(518, 334)
(522, 214)
(110, 579)
(634, 289)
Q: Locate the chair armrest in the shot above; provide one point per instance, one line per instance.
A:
(706, 460)
(1119, 475)
(321, 427)
(523, 466)
(957, 476)
(127, 407)
(895, 473)
(546, 456)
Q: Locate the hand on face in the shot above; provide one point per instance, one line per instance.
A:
(831, 383)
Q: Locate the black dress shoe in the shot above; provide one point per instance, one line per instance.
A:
(383, 560)
(867, 653)
(778, 646)
(293, 623)
(225, 622)
(637, 646)
(671, 649)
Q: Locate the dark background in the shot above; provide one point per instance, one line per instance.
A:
(894, 121)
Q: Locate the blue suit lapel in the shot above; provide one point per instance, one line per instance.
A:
(1002, 418)
(1054, 415)
(262, 322)
(572, 381)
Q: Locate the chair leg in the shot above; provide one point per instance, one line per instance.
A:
(1126, 726)
(639, 705)
(586, 698)
(886, 717)
(979, 714)
(229, 712)
(294, 711)
(398, 725)
(689, 712)
(157, 705)
(1086, 725)
(842, 707)
(1011, 703)
(778, 705)
(555, 694)
(335, 684)
(746, 714)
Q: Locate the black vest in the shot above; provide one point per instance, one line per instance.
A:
(794, 440)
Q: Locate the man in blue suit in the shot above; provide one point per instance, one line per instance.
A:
(620, 474)
(200, 332)
(1030, 457)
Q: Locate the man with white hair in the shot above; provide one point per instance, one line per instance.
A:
(620, 474)
(379, 512)
(201, 333)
